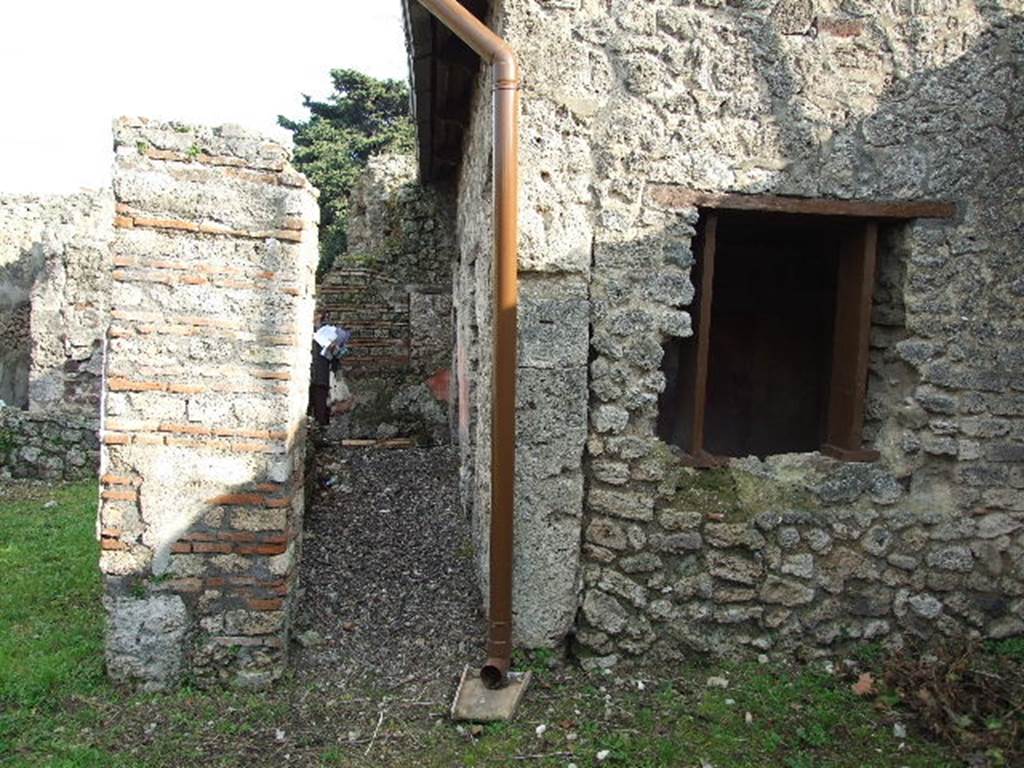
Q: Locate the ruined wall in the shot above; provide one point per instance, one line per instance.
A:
(850, 100)
(392, 289)
(206, 385)
(53, 292)
(48, 445)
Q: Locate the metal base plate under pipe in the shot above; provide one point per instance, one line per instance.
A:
(475, 702)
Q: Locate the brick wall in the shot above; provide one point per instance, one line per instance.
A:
(376, 309)
(206, 379)
(392, 289)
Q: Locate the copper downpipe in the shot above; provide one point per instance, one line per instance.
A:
(505, 77)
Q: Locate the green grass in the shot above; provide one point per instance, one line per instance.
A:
(57, 710)
(1011, 648)
(50, 645)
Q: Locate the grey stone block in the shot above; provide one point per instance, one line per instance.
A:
(145, 640)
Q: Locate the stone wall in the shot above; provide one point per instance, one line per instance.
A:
(554, 272)
(392, 289)
(206, 384)
(818, 99)
(54, 286)
(47, 446)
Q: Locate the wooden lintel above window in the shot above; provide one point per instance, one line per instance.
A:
(672, 196)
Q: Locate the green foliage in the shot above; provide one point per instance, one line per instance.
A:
(362, 117)
(1010, 648)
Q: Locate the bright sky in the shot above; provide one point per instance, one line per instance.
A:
(68, 67)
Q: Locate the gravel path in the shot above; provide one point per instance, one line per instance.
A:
(389, 584)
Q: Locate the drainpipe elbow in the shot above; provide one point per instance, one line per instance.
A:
(505, 68)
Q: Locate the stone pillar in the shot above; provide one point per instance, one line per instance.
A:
(203, 419)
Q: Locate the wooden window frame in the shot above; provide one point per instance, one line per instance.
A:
(858, 260)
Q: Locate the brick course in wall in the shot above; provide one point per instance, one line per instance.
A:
(392, 289)
(203, 424)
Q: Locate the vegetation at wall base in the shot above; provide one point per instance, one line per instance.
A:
(57, 709)
(362, 117)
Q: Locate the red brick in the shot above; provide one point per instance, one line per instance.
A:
(235, 432)
(175, 224)
(211, 547)
(261, 549)
(275, 538)
(237, 499)
(119, 495)
(265, 604)
(185, 429)
(236, 536)
(119, 384)
(209, 228)
(164, 154)
(273, 375)
(109, 479)
(199, 536)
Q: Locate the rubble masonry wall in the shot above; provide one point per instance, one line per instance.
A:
(54, 289)
(819, 99)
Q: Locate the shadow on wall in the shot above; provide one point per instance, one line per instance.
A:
(17, 278)
(948, 291)
(201, 536)
(392, 289)
(946, 320)
(209, 599)
(799, 550)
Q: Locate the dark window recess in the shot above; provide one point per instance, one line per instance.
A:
(778, 360)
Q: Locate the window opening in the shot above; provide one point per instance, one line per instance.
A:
(778, 360)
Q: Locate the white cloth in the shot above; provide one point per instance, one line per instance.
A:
(325, 336)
